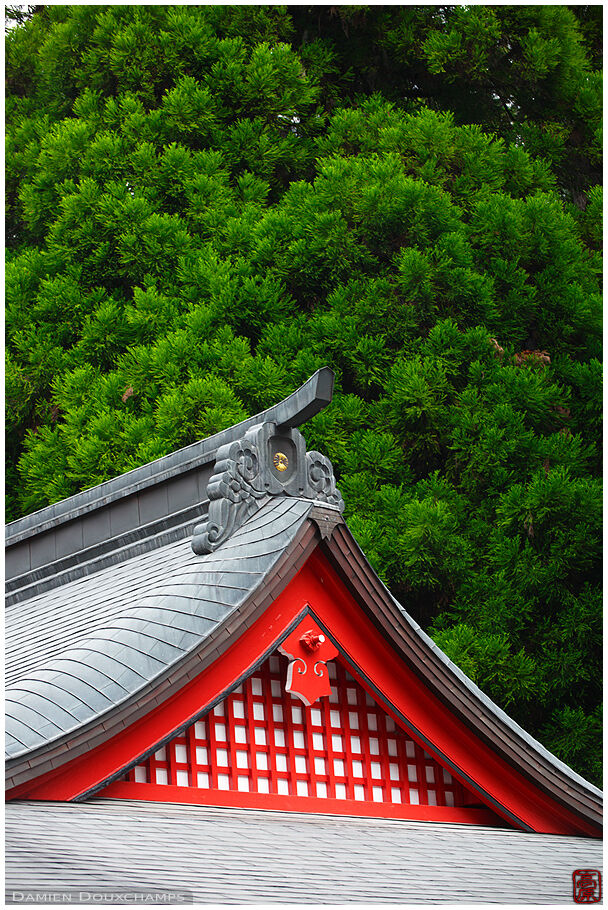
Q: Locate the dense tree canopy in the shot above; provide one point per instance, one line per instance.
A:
(206, 204)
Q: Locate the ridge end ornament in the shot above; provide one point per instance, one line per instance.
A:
(308, 650)
(266, 462)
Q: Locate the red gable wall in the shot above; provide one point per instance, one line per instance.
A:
(399, 694)
(263, 740)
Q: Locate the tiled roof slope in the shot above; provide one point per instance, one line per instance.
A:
(225, 856)
(78, 651)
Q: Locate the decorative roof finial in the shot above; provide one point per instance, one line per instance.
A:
(267, 461)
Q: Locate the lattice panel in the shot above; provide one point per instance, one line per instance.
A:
(261, 739)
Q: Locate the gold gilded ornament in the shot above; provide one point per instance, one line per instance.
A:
(280, 461)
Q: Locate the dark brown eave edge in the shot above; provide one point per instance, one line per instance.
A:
(454, 688)
(53, 755)
(306, 401)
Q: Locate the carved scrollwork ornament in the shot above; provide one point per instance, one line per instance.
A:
(322, 481)
(264, 463)
(233, 494)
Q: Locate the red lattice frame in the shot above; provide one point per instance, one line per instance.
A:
(263, 740)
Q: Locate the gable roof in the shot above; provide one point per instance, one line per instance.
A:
(124, 623)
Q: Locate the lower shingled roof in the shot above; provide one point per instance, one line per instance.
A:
(248, 856)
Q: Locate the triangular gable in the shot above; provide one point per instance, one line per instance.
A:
(319, 596)
(344, 749)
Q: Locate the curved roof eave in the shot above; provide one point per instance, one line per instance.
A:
(100, 675)
(263, 562)
(453, 687)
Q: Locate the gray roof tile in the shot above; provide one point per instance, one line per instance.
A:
(254, 857)
(84, 648)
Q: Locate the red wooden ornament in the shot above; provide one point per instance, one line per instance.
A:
(308, 648)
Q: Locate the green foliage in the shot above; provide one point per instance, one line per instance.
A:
(572, 734)
(206, 204)
(529, 74)
(488, 660)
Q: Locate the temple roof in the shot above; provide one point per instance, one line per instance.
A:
(118, 595)
(158, 497)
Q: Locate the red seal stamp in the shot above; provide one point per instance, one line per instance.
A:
(586, 886)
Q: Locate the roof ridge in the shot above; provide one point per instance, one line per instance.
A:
(306, 401)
